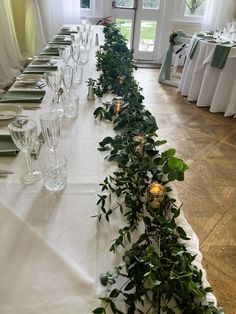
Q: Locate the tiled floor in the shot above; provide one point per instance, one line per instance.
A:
(207, 142)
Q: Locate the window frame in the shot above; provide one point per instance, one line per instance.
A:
(179, 14)
(96, 9)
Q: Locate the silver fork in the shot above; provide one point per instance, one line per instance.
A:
(36, 151)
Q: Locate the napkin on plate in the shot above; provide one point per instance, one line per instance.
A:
(52, 51)
(39, 69)
(7, 147)
(23, 96)
(61, 41)
(220, 56)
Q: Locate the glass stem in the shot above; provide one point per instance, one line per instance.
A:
(28, 162)
(55, 155)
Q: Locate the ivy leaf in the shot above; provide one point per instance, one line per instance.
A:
(169, 153)
(99, 310)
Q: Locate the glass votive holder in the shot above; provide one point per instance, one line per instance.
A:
(71, 107)
(54, 172)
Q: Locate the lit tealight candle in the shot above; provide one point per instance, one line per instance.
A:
(156, 193)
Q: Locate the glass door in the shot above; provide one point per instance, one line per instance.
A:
(124, 13)
(141, 21)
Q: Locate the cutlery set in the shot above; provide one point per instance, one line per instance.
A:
(37, 148)
(5, 173)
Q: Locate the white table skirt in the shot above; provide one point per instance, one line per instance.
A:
(207, 85)
(52, 251)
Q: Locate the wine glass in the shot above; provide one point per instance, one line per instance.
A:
(67, 77)
(24, 135)
(50, 124)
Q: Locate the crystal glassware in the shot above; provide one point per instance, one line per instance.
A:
(65, 54)
(67, 77)
(53, 81)
(24, 135)
(50, 124)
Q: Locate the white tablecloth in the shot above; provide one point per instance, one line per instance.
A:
(207, 85)
(51, 250)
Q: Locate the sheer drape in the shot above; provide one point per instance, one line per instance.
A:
(10, 60)
(55, 13)
(217, 13)
(34, 32)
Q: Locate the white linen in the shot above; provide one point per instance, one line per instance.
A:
(52, 251)
(207, 85)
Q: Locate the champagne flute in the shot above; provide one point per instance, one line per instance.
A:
(67, 77)
(53, 81)
(75, 51)
(50, 124)
(24, 135)
(65, 54)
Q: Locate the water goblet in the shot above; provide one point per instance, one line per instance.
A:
(50, 124)
(24, 135)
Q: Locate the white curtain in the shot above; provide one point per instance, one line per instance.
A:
(217, 12)
(55, 13)
(34, 32)
(10, 56)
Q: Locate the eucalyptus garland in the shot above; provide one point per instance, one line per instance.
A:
(157, 274)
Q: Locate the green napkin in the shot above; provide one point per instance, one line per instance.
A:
(39, 69)
(193, 47)
(61, 42)
(201, 34)
(23, 96)
(66, 32)
(7, 147)
(50, 51)
(220, 56)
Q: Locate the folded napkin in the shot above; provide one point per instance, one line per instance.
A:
(50, 51)
(39, 69)
(66, 32)
(220, 56)
(7, 147)
(23, 96)
(60, 41)
(201, 34)
(193, 47)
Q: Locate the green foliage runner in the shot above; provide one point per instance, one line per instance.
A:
(157, 274)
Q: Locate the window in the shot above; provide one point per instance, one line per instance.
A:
(151, 4)
(85, 4)
(189, 11)
(125, 3)
(194, 7)
(92, 8)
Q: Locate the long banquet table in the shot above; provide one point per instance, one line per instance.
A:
(209, 86)
(51, 250)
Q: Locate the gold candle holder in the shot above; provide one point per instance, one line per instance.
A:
(155, 194)
(117, 103)
(121, 79)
